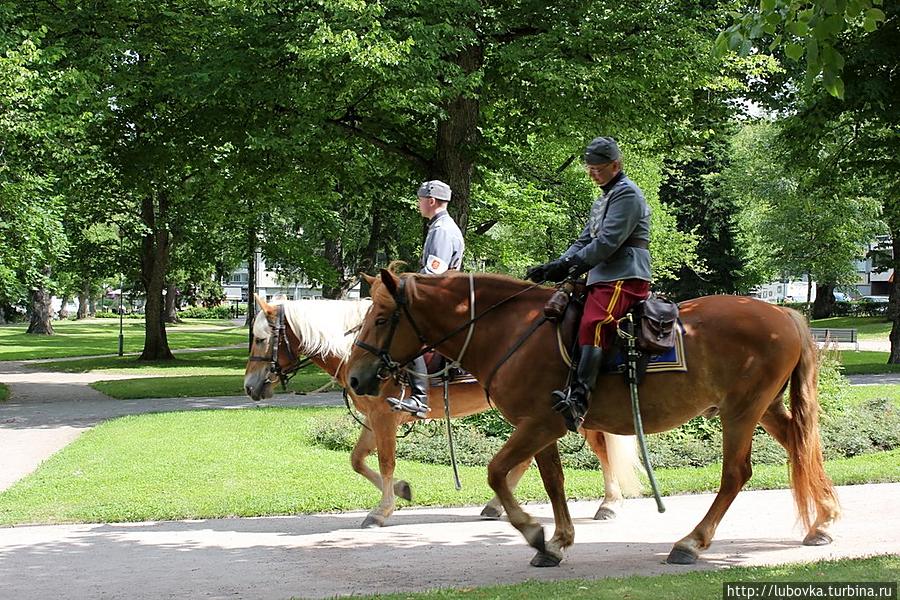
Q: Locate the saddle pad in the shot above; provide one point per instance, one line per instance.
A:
(673, 360)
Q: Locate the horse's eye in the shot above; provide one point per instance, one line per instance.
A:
(380, 321)
(260, 340)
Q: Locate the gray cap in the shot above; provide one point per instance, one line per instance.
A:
(601, 150)
(436, 189)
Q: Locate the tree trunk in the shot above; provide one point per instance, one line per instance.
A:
(894, 300)
(63, 311)
(456, 137)
(824, 304)
(155, 247)
(171, 314)
(251, 277)
(335, 259)
(40, 308)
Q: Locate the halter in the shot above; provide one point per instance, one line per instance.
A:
(389, 366)
(283, 375)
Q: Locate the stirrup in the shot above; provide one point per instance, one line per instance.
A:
(571, 409)
(412, 405)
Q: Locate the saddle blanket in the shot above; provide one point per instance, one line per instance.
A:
(673, 360)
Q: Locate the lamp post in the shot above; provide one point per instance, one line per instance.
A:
(121, 307)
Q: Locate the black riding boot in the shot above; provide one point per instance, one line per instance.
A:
(573, 402)
(417, 401)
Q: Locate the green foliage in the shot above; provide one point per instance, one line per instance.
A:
(4, 393)
(811, 29)
(222, 311)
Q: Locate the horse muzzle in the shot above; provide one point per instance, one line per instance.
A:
(258, 388)
(365, 381)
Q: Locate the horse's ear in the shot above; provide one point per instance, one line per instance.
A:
(390, 281)
(369, 279)
(263, 305)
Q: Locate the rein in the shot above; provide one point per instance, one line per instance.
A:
(392, 367)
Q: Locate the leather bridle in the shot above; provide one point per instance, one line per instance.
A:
(278, 334)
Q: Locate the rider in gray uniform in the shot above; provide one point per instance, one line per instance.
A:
(443, 251)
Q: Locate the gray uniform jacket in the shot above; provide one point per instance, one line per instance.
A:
(620, 214)
(444, 245)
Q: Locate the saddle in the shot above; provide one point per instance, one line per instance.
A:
(652, 322)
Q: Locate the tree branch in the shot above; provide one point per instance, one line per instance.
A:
(401, 150)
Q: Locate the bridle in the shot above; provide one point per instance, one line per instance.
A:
(390, 367)
(282, 375)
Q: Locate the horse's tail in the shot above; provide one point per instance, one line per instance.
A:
(813, 489)
(621, 452)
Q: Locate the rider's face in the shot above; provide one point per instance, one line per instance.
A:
(603, 173)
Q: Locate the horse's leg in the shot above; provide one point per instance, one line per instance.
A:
(777, 423)
(384, 428)
(613, 498)
(550, 466)
(527, 439)
(737, 436)
(494, 509)
(364, 447)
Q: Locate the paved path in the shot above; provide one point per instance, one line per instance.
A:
(324, 555)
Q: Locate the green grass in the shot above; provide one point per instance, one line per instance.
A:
(866, 362)
(205, 362)
(220, 463)
(869, 328)
(4, 393)
(705, 585)
(195, 386)
(90, 338)
(857, 394)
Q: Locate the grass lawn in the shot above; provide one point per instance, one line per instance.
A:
(100, 336)
(4, 393)
(220, 463)
(857, 394)
(195, 386)
(869, 328)
(707, 585)
(866, 362)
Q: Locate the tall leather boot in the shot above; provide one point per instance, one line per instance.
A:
(417, 401)
(573, 402)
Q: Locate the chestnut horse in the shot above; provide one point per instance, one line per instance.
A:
(319, 329)
(741, 354)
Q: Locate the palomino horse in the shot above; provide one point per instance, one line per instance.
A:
(742, 353)
(320, 330)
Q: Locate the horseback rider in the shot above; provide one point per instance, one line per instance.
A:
(613, 249)
(442, 252)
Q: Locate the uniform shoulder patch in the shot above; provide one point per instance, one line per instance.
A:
(435, 264)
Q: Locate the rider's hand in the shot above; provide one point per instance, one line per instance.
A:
(537, 273)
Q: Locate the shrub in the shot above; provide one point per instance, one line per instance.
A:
(104, 314)
(223, 311)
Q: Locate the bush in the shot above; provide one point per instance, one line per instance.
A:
(223, 311)
(846, 431)
(105, 314)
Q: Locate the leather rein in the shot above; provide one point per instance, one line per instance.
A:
(391, 368)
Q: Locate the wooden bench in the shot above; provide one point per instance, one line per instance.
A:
(840, 336)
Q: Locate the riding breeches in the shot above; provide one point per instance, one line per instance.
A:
(606, 303)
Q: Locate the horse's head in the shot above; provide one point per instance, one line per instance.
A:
(387, 335)
(265, 362)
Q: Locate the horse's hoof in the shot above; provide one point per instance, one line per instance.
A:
(605, 514)
(402, 489)
(817, 538)
(543, 559)
(490, 512)
(534, 535)
(681, 556)
(372, 521)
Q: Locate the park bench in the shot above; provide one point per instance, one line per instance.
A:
(839, 336)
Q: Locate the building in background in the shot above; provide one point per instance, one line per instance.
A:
(269, 285)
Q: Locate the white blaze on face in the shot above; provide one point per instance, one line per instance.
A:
(261, 328)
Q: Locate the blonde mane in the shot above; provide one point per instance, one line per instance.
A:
(321, 325)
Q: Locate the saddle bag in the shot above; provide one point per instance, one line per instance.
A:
(657, 316)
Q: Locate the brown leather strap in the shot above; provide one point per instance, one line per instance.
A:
(637, 243)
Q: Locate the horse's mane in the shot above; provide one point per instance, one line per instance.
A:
(322, 325)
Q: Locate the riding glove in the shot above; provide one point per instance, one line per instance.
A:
(558, 270)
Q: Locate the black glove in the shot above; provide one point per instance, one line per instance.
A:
(537, 273)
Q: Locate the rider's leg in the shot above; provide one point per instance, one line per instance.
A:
(574, 401)
(417, 401)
